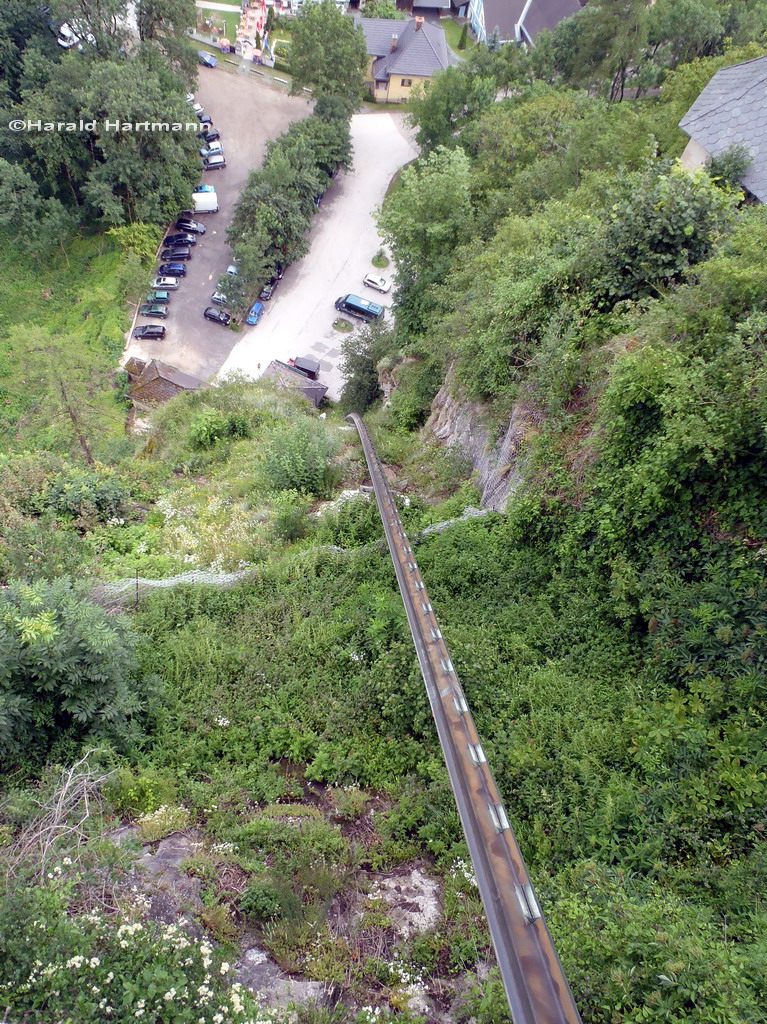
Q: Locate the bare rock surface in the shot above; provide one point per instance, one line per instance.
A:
(498, 461)
(412, 899)
(272, 986)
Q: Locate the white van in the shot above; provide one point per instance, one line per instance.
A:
(205, 202)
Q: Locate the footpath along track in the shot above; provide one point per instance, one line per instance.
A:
(532, 975)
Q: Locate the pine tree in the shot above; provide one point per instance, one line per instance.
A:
(464, 36)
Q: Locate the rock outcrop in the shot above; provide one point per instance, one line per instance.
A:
(498, 461)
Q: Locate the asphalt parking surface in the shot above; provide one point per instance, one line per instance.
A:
(299, 317)
(247, 113)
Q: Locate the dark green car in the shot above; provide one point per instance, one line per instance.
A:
(154, 309)
(162, 298)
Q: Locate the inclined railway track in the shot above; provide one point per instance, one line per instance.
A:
(532, 975)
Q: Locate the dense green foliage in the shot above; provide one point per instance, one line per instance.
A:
(67, 672)
(110, 175)
(328, 53)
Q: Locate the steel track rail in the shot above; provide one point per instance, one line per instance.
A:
(535, 983)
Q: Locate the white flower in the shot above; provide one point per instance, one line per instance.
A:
(94, 961)
(225, 967)
(218, 1018)
(67, 861)
(170, 995)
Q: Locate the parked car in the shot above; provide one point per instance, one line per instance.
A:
(254, 313)
(268, 290)
(197, 107)
(190, 227)
(214, 149)
(190, 97)
(205, 119)
(219, 299)
(162, 297)
(149, 332)
(204, 188)
(317, 201)
(207, 59)
(180, 238)
(232, 270)
(172, 270)
(209, 134)
(168, 284)
(177, 252)
(376, 281)
(214, 163)
(153, 309)
(218, 316)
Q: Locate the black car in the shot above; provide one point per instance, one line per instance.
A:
(154, 309)
(178, 252)
(204, 118)
(149, 332)
(210, 135)
(218, 316)
(268, 290)
(190, 227)
(172, 270)
(181, 238)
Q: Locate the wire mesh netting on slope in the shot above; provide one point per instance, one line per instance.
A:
(118, 594)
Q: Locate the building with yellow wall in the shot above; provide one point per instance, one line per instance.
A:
(403, 54)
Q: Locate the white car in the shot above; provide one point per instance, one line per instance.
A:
(232, 270)
(198, 108)
(168, 284)
(379, 283)
(190, 97)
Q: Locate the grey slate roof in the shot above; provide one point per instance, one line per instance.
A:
(544, 14)
(535, 16)
(287, 377)
(732, 111)
(420, 52)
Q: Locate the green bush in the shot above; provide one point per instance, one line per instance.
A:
(90, 967)
(297, 457)
(67, 671)
(260, 900)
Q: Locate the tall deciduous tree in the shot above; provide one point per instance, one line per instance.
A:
(454, 97)
(328, 53)
(430, 210)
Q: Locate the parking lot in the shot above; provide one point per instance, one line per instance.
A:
(247, 113)
(299, 317)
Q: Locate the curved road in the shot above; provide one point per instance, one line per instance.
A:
(535, 983)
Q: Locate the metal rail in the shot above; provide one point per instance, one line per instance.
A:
(532, 975)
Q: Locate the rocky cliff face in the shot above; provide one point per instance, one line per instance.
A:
(499, 463)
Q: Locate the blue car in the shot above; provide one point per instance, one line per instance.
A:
(207, 59)
(204, 188)
(172, 270)
(254, 313)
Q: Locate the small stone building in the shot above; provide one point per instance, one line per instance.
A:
(154, 382)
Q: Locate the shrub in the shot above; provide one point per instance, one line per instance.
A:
(67, 670)
(297, 457)
(162, 823)
(260, 900)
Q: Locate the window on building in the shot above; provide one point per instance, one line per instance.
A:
(380, 85)
(406, 82)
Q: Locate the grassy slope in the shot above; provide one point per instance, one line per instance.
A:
(76, 292)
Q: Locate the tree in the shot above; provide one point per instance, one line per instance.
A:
(328, 53)
(67, 670)
(454, 97)
(493, 40)
(464, 38)
(430, 211)
(21, 205)
(361, 351)
(679, 31)
(381, 9)
(164, 24)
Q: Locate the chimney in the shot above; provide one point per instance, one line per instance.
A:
(418, 24)
(394, 41)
